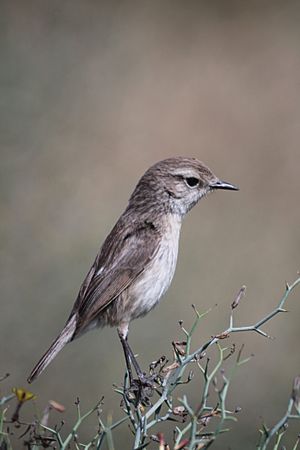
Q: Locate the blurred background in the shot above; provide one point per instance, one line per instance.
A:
(92, 93)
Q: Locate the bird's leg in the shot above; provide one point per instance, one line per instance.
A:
(130, 358)
(126, 354)
(142, 388)
(130, 355)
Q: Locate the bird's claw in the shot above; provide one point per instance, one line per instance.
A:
(141, 389)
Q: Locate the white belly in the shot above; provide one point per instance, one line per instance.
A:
(156, 279)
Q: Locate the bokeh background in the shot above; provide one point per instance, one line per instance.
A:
(91, 94)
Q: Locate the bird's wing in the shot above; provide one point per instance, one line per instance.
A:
(123, 257)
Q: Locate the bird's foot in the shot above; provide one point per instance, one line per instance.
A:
(141, 389)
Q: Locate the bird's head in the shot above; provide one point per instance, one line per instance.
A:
(176, 185)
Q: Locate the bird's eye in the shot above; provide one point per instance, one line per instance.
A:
(192, 181)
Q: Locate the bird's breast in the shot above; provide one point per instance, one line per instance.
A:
(152, 284)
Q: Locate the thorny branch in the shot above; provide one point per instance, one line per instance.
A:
(146, 409)
(173, 378)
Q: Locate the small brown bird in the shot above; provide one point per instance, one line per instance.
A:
(136, 263)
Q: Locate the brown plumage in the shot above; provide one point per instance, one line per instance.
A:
(136, 263)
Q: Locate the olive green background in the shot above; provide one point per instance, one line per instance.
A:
(91, 94)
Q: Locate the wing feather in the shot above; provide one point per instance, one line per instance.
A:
(124, 256)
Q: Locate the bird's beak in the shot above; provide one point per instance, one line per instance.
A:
(223, 185)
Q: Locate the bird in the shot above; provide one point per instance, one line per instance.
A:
(136, 263)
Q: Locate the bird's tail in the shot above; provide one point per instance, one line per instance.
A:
(64, 337)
